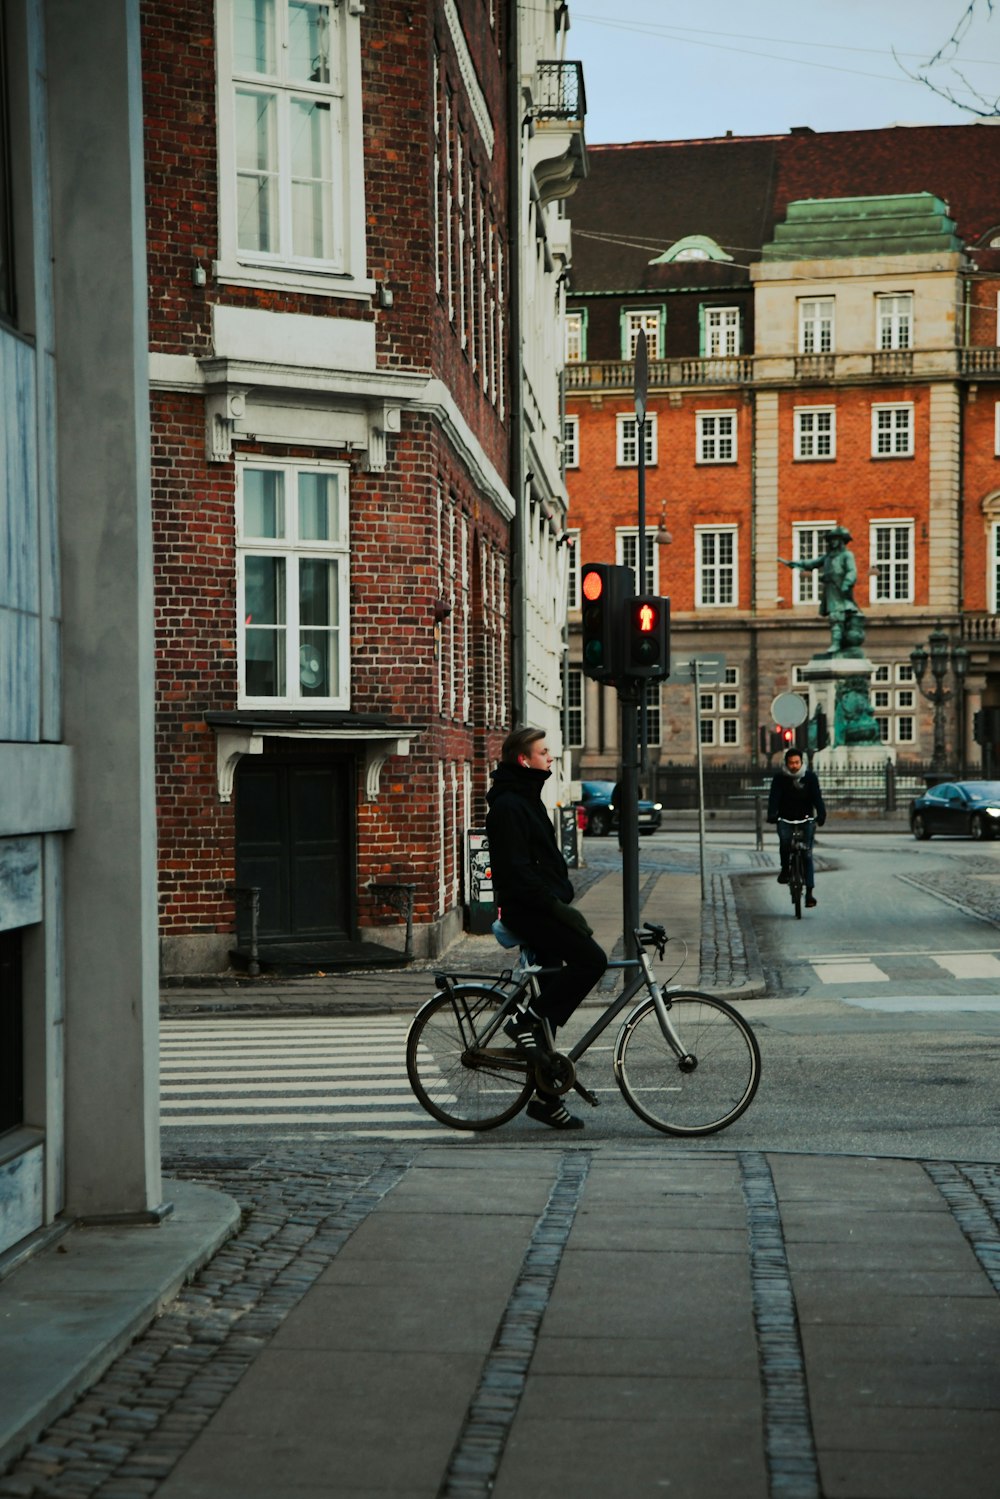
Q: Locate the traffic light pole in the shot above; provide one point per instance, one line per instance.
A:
(628, 811)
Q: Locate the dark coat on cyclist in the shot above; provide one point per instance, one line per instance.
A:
(527, 864)
(794, 797)
(533, 890)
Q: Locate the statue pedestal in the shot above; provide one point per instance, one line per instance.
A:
(824, 674)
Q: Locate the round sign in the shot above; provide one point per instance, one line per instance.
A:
(789, 710)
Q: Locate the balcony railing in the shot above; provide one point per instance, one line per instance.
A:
(981, 628)
(892, 362)
(559, 91)
(743, 369)
(815, 366)
(619, 374)
(979, 361)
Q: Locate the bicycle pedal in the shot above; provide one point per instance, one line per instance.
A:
(586, 1095)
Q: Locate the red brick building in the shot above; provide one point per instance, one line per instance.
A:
(821, 318)
(338, 473)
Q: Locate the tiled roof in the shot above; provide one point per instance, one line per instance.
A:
(639, 199)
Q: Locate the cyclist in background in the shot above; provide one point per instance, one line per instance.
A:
(795, 794)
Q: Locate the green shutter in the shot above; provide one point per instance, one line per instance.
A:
(701, 330)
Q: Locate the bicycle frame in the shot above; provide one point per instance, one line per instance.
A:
(528, 985)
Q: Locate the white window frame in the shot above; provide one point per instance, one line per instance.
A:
(572, 569)
(652, 321)
(817, 325)
(894, 429)
(654, 715)
(576, 336)
(895, 708)
(720, 572)
(345, 272)
(721, 706)
(627, 440)
(716, 437)
(627, 555)
(996, 430)
(993, 579)
(574, 709)
(721, 332)
(807, 542)
(293, 551)
(815, 427)
(893, 320)
(571, 441)
(893, 594)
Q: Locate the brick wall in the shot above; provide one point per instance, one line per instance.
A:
(395, 571)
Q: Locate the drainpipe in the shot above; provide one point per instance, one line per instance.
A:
(518, 529)
(753, 664)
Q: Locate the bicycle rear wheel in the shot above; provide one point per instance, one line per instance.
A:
(456, 1080)
(677, 1097)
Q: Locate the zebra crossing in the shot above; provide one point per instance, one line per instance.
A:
(347, 1073)
(907, 966)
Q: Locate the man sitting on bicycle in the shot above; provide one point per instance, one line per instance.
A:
(534, 893)
(795, 794)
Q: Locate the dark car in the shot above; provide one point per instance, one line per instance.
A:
(965, 809)
(602, 814)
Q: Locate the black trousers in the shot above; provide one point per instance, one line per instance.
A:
(555, 945)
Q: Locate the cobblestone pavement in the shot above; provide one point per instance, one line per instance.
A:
(126, 1434)
(969, 882)
(300, 1206)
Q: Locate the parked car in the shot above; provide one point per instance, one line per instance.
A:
(965, 809)
(602, 814)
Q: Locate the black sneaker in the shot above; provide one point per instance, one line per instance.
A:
(783, 877)
(552, 1111)
(526, 1034)
(810, 899)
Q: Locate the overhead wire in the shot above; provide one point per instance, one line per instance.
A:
(623, 243)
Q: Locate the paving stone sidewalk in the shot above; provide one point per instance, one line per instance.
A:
(519, 1322)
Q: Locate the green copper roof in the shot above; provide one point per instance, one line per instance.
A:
(905, 224)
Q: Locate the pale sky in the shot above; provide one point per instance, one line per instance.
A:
(669, 70)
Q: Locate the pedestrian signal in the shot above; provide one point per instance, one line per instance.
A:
(605, 589)
(647, 637)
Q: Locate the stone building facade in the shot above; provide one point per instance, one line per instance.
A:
(821, 312)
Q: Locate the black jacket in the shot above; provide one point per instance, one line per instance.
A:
(793, 799)
(528, 868)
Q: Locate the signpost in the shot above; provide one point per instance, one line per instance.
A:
(703, 670)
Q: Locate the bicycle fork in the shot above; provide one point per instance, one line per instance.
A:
(685, 1061)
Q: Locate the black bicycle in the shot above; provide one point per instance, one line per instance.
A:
(687, 1063)
(798, 852)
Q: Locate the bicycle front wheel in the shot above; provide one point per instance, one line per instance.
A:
(458, 1080)
(710, 1087)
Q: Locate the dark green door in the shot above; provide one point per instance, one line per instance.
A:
(293, 841)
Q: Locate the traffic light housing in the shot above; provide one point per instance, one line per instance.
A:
(605, 590)
(647, 637)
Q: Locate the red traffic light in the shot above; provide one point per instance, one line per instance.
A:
(646, 617)
(788, 735)
(593, 584)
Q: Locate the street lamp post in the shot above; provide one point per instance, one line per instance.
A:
(938, 695)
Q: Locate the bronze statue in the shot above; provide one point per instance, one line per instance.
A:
(837, 579)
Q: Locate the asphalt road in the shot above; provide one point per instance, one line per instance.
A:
(879, 1028)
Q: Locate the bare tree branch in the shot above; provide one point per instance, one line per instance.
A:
(948, 50)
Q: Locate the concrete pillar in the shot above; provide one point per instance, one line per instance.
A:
(98, 228)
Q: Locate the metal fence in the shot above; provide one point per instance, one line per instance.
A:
(730, 787)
